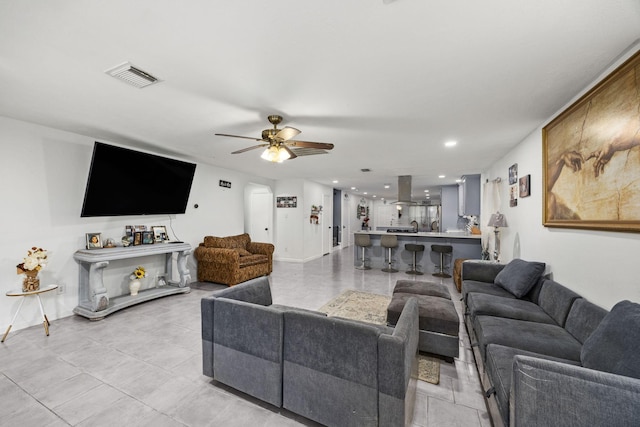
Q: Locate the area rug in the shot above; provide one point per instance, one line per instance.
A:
(372, 308)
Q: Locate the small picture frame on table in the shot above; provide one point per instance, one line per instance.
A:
(94, 240)
(160, 233)
(147, 237)
(137, 238)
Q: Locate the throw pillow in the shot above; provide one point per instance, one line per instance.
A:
(243, 252)
(519, 276)
(615, 344)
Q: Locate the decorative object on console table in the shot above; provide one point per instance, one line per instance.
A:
(30, 266)
(497, 220)
(147, 237)
(94, 240)
(135, 283)
(160, 233)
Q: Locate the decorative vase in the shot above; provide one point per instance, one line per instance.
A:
(134, 286)
(31, 281)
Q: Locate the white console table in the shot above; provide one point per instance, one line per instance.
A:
(93, 301)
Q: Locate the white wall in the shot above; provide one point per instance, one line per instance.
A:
(599, 265)
(289, 222)
(297, 239)
(43, 172)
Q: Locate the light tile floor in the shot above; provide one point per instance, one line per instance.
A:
(142, 366)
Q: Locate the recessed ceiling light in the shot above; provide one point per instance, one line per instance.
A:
(365, 192)
(426, 191)
(441, 176)
(450, 143)
(387, 185)
(374, 196)
(335, 181)
(458, 180)
(353, 188)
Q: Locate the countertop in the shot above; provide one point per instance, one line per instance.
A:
(445, 235)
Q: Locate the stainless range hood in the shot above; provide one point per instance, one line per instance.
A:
(404, 191)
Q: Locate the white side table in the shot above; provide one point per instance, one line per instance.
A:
(19, 293)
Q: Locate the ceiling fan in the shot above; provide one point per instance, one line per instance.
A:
(279, 145)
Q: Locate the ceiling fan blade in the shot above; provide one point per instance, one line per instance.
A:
(250, 148)
(286, 133)
(238, 136)
(291, 153)
(310, 144)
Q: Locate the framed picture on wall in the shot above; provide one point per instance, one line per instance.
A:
(591, 157)
(525, 186)
(513, 174)
(513, 196)
(287, 202)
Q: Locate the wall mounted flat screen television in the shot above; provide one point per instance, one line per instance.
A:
(127, 182)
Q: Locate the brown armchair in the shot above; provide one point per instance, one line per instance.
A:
(233, 259)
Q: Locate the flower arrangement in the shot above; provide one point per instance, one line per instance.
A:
(138, 273)
(35, 260)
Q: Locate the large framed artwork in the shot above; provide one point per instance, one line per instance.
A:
(591, 157)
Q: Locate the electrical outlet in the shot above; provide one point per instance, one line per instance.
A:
(60, 289)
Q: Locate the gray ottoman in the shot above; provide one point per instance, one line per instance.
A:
(438, 319)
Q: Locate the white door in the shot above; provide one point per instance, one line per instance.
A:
(327, 223)
(261, 217)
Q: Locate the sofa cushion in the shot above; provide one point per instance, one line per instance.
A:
(519, 276)
(499, 369)
(471, 286)
(230, 242)
(243, 252)
(490, 305)
(247, 261)
(556, 300)
(615, 344)
(584, 317)
(544, 338)
(255, 291)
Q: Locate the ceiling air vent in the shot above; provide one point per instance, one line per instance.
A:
(132, 75)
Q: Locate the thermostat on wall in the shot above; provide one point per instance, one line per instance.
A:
(225, 184)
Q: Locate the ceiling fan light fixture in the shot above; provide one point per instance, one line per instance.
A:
(275, 154)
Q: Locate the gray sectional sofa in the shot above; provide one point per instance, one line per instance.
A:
(335, 371)
(546, 356)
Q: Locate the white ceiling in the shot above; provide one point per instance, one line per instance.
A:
(388, 82)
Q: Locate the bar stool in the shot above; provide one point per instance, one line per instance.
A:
(414, 248)
(363, 241)
(389, 242)
(442, 250)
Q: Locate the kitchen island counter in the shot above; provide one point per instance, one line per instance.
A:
(465, 245)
